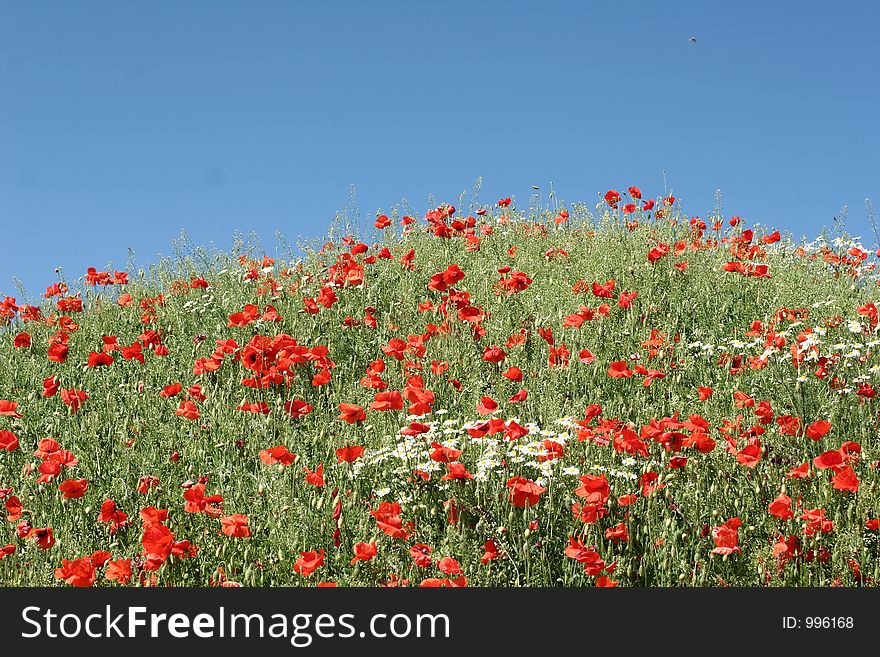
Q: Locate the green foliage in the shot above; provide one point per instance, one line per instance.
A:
(701, 315)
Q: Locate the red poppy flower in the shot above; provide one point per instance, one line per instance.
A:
(236, 525)
(619, 370)
(364, 552)
(315, 478)
(111, 515)
(349, 454)
(99, 558)
(150, 515)
(524, 492)
(818, 429)
(846, 480)
(587, 555)
(73, 399)
(649, 483)
(741, 399)
(57, 352)
(79, 572)
(99, 359)
(157, 540)
(443, 454)
(147, 482)
(73, 488)
(49, 469)
(471, 314)
(421, 554)
(8, 408)
(830, 459)
(487, 406)
(279, 454)
(352, 413)
(490, 552)
(617, 533)
(297, 408)
(387, 401)
(8, 440)
(593, 489)
(254, 407)
(188, 409)
(309, 562)
(781, 507)
(605, 291)
(392, 526)
(119, 571)
(494, 354)
(171, 390)
(726, 537)
(198, 502)
(44, 537)
(519, 397)
(586, 356)
(196, 393)
(449, 566)
(658, 252)
(750, 455)
(816, 522)
(788, 424)
(50, 386)
(456, 471)
(13, 508)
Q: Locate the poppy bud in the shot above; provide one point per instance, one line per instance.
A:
(175, 456)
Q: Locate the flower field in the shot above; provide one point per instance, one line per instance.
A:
(618, 395)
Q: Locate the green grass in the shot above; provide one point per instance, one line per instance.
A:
(125, 430)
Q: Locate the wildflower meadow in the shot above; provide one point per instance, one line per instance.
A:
(555, 395)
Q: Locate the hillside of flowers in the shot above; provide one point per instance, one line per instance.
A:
(566, 396)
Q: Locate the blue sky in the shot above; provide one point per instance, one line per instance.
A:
(122, 123)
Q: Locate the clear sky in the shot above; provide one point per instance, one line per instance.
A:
(123, 122)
